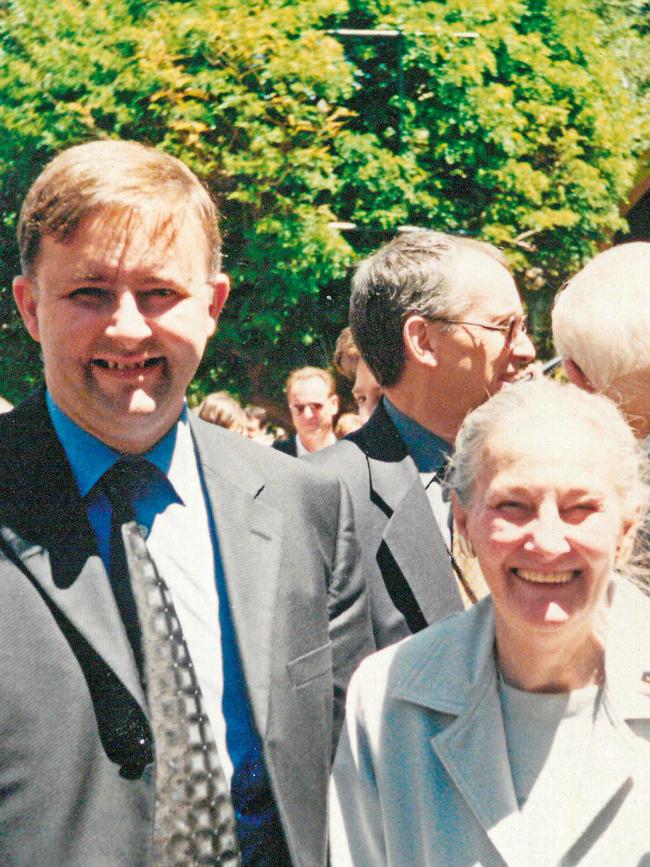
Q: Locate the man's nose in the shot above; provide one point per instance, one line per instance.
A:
(524, 348)
(127, 322)
(309, 412)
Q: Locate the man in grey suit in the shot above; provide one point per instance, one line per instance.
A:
(121, 286)
(438, 320)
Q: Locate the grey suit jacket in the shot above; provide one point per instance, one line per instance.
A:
(405, 561)
(73, 717)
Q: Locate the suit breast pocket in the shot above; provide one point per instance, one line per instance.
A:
(306, 668)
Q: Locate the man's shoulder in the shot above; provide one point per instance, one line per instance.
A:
(243, 462)
(25, 431)
(377, 440)
(342, 459)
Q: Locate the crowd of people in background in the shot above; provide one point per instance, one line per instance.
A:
(312, 402)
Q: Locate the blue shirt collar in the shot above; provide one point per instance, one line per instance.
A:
(429, 451)
(89, 457)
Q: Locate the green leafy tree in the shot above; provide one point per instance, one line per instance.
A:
(252, 98)
(521, 122)
(516, 120)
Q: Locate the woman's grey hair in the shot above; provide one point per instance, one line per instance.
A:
(415, 272)
(551, 404)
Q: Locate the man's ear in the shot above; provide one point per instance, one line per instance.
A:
(220, 287)
(420, 342)
(335, 399)
(575, 375)
(26, 297)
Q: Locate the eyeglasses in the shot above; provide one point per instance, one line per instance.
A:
(514, 327)
(299, 408)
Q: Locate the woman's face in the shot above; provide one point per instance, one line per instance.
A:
(545, 522)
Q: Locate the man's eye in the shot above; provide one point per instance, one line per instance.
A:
(89, 294)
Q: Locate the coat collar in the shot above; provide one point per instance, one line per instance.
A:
(455, 674)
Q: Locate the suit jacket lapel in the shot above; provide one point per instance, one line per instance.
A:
(422, 554)
(411, 532)
(45, 528)
(249, 536)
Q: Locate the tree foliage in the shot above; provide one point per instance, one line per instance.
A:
(517, 121)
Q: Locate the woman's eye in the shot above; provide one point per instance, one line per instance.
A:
(579, 511)
(512, 507)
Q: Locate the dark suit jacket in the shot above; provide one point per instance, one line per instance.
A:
(405, 560)
(287, 447)
(73, 717)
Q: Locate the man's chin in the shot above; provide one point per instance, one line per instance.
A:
(141, 403)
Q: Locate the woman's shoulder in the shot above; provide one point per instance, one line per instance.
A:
(436, 667)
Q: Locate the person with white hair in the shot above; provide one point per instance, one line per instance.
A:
(601, 323)
(516, 732)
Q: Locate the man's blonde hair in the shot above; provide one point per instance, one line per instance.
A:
(120, 179)
(303, 373)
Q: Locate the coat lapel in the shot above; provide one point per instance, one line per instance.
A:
(250, 542)
(411, 532)
(478, 764)
(45, 529)
(422, 555)
(457, 676)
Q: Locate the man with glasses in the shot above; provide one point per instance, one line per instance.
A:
(438, 320)
(313, 403)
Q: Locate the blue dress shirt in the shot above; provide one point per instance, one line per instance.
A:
(429, 452)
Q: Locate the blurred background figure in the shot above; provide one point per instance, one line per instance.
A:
(366, 390)
(5, 406)
(517, 732)
(313, 404)
(256, 424)
(347, 359)
(222, 409)
(346, 354)
(347, 423)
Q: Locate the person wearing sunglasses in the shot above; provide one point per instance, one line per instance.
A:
(438, 320)
(313, 404)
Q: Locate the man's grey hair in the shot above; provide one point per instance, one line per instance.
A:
(601, 320)
(415, 272)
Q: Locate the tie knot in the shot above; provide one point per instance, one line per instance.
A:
(126, 479)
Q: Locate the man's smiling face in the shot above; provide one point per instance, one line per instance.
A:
(123, 314)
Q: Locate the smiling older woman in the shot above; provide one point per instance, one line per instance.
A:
(516, 733)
